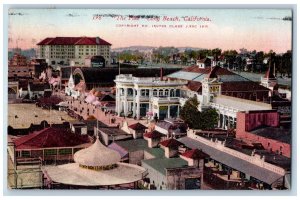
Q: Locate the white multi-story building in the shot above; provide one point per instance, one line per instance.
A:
(73, 50)
(147, 97)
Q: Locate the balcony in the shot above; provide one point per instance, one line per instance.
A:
(166, 99)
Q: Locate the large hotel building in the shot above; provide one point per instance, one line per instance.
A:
(73, 50)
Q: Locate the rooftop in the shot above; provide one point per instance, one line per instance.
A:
(195, 154)
(137, 126)
(97, 155)
(153, 134)
(241, 104)
(107, 75)
(73, 41)
(247, 147)
(50, 137)
(275, 133)
(171, 143)
(156, 152)
(72, 174)
(112, 131)
(233, 161)
(160, 164)
(133, 145)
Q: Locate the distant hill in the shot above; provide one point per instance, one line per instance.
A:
(28, 53)
(149, 48)
(182, 49)
(134, 48)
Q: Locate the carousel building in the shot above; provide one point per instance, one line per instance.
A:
(96, 167)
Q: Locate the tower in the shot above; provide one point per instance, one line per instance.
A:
(269, 80)
(211, 86)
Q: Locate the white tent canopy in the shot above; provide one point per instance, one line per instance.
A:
(97, 155)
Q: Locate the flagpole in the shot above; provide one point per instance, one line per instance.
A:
(119, 64)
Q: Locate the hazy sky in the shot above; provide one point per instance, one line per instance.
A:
(259, 29)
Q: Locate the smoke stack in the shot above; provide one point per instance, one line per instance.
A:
(161, 73)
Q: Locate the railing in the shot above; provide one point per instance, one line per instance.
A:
(168, 99)
(222, 107)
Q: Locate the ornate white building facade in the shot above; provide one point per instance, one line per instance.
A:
(147, 97)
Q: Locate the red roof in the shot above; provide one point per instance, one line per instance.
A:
(45, 41)
(50, 137)
(236, 86)
(154, 134)
(213, 72)
(195, 154)
(171, 143)
(137, 126)
(74, 41)
(195, 86)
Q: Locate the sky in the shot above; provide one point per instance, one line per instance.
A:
(253, 29)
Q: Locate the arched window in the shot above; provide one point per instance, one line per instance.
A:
(172, 93)
(155, 92)
(147, 93)
(143, 92)
(161, 92)
(121, 91)
(166, 92)
(130, 92)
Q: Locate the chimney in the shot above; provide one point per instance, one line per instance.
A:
(97, 40)
(161, 73)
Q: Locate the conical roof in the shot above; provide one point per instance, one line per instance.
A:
(97, 155)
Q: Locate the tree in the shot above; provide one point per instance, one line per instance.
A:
(230, 56)
(207, 119)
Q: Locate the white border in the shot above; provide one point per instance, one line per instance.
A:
(220, 194)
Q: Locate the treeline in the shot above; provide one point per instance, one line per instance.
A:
(244, 60)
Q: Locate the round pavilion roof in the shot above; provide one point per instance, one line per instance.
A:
(97, 155)
(73, 174)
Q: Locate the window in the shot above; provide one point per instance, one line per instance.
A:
(48, 152)
(147, 93)
(172, 93)
(154, 92)
(166, 92)
(177, 93)
(65, 151)
(161, 93)
(25, 154)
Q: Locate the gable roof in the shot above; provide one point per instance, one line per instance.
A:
(137, 126)
(195, 154)
(213, 72)
(50, 137)
(172, 143)
(74, 41)
(153, 134)
(195, 86)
